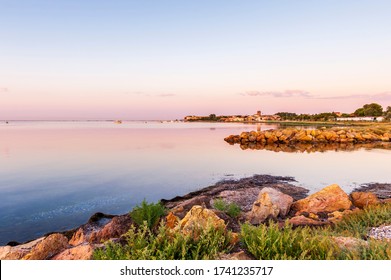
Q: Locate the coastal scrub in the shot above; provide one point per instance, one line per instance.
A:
(148, 212)
(166, 244)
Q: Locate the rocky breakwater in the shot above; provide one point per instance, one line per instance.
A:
(287, 139)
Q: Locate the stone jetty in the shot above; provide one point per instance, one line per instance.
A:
(312, 140)
(324, 135)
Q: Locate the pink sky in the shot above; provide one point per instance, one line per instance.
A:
(169, 60)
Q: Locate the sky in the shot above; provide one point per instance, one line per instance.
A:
(165, 59)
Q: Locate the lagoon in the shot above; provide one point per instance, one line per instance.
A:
(55, 175)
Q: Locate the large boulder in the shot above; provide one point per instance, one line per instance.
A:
(50, 246)
(82, 252)
(198, 219)
(270, 204)
(180, 209)
(364, 199)
(115, 228)
(329, 199)
(19, 251)
(244, 197)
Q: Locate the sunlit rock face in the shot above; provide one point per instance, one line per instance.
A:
(311, 140)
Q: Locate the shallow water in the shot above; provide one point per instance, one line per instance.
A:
(54, 175)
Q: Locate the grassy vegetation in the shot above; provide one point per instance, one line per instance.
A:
(358, 224)
(231, 209)
(269, 242)
(266, 241)
(143, 244)
(275, 243)
(148, 212)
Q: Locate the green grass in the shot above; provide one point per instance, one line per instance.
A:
(269, 242)
(303, 243)
(358, 224)
(143, 244)
(265, 242)
(148, 212)
(231, 209)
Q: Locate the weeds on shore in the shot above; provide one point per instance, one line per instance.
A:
(269, 242)
(147, 212)
(143, 244)
(231, 209)
(358, 224)
(303, 243)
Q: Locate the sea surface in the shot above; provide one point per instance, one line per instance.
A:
(55, 175)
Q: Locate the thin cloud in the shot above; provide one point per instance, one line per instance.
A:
(279, 94)
(378, 96)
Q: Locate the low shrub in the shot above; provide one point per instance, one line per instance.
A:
(231, 209)
(143, 244)
(269, 242)
(358, 224)
(149, 212)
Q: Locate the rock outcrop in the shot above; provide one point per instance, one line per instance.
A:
(270, 204)
(311, 140)
(82, 252)
(198, 219)
(260, 197)
(304, 221)
(47, 248)
(364, 199)
(309, 135)
(329, 199)
(19, 251)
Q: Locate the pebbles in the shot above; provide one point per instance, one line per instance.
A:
(381, 233)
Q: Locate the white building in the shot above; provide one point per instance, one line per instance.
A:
(361, 119)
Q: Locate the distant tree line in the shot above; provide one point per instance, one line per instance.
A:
(368, 110)
(307, 117)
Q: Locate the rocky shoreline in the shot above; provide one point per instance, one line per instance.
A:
(261, 198)
(324, 135)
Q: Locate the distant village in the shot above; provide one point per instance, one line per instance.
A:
(283, 116)
(235, 118)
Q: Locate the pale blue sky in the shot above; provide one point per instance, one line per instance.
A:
(164, 59)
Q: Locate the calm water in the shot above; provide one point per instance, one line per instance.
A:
(55, 175)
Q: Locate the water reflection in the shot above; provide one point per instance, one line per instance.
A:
(55, 175)
(315, 147)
